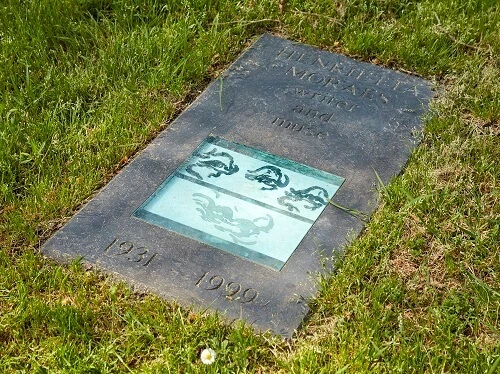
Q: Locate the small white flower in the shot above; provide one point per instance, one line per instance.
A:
(208, 356)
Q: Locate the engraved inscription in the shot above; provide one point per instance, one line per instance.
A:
(290, 55)
(336, 85)
(339, 86)
(129, 251)
(300, 128)
(324, 98)
(232, 291)
(313, 113)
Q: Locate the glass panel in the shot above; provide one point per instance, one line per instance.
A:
(241, 200)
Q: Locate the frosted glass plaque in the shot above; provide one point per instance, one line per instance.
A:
(241, 200)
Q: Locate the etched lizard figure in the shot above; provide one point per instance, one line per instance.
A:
(241, 230)
(219, 162)
(315, 196)
(269, 175)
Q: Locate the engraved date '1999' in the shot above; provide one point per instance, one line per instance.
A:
(233, 291)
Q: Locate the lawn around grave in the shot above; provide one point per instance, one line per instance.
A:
(86, 84)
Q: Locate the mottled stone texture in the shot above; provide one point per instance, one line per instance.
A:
(327, 111)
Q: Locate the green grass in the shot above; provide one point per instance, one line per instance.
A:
(84, 84)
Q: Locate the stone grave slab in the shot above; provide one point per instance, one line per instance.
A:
(228, 208)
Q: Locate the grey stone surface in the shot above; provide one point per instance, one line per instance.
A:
(330, 112)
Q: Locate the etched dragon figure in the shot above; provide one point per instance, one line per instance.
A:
(224, 220)
(219, 162)
(314, 197)
(269, 175)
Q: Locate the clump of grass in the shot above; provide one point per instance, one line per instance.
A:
(85, 84)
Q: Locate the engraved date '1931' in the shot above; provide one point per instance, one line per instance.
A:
(131, 252)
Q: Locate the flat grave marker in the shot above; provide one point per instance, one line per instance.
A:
(228, 208)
